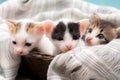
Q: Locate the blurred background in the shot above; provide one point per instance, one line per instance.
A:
(2, 1)
(114, 3)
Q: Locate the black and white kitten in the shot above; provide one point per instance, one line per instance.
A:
(65, 34)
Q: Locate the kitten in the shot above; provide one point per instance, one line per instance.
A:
(65, 33)
(25, 35)
(22, 37)
(100, 31)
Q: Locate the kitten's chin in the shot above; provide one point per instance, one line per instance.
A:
(66, 50)
(88, 44)
(91, 44)
(22, 54)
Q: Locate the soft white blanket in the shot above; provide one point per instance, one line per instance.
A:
(55, 9)
(87, 63)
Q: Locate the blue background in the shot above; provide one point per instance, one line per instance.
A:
(2, 1)
(114, 3)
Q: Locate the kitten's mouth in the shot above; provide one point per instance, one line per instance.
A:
(21, 54)
(67, 49)
(88, 43)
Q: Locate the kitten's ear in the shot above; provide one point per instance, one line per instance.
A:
(12, 25)
(48, 27)
(118, 32)
(38, 28)
(83, 26)
(95, 19)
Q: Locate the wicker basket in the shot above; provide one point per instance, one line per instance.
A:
(37, 64)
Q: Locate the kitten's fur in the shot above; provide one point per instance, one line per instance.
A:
(23, 36)
(64, 33)
(100, 31)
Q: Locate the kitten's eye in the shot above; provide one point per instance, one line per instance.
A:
(90, 30)
(28, 44)
(76, 37)
(14, 42)
(59, 38)
(100, 36)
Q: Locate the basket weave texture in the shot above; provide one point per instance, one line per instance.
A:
(37, 64)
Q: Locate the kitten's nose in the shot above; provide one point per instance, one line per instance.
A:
(88, 39)
(19, 51)
(69, 47)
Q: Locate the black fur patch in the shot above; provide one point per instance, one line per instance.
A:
(74, 30)
(58, 31)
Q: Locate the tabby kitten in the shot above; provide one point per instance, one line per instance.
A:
(100, 31)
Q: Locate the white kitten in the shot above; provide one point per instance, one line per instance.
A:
(20, 38)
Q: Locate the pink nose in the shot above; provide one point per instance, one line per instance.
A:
(19, 51)
(69, 47)
(88, 39)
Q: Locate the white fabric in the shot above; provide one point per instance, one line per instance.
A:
(55, 9)
(87, 63)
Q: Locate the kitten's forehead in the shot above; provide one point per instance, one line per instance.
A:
(64, 21)
(103, 24)
(26, 25)
(68, 24)
(62, 28)
(30, 27)
(73, 26)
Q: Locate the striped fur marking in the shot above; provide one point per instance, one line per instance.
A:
(30, 27)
